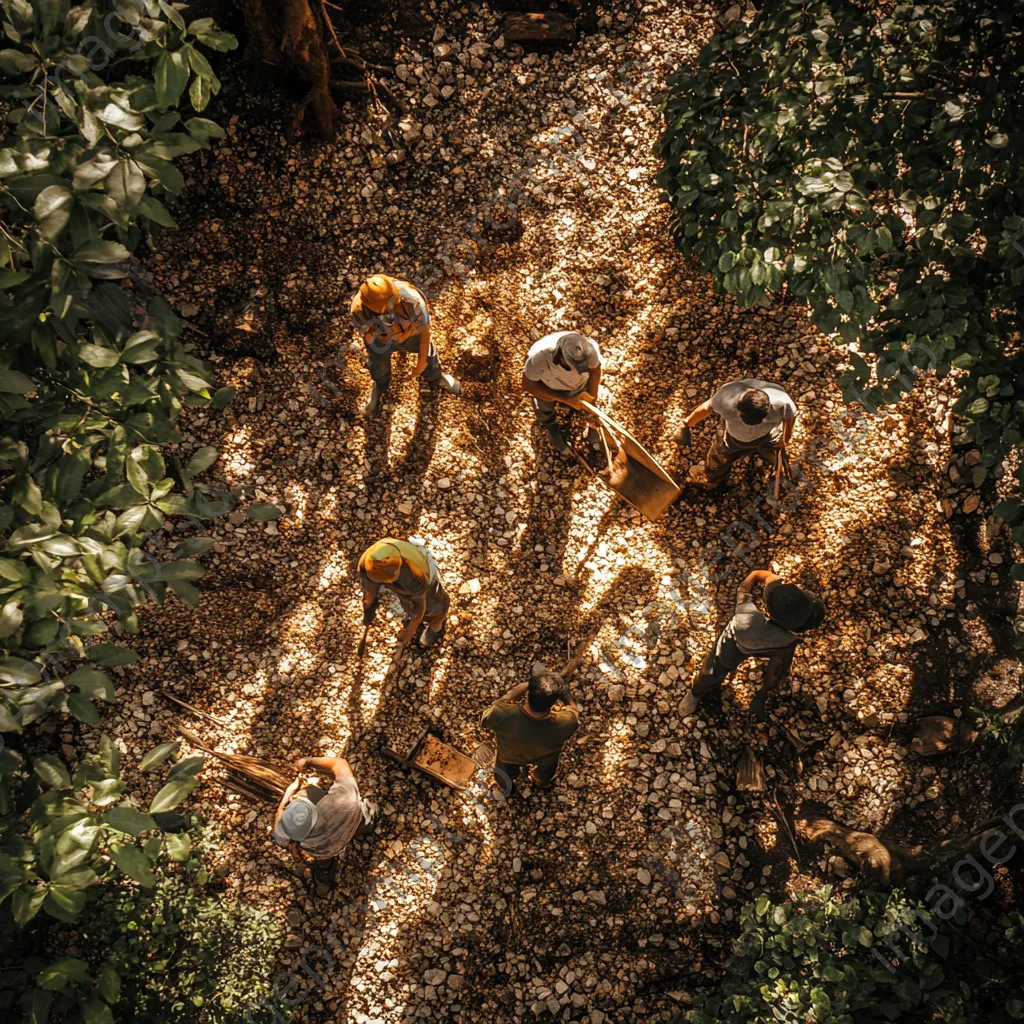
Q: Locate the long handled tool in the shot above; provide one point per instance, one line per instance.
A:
(361, 649)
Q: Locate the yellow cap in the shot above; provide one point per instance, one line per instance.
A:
(376, 291)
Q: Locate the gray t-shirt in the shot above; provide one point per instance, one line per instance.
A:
(753, 633)
(541, 366)
(726, 398)
(340, 812)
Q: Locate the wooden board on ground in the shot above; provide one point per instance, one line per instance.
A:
(444, 763)
(644, 483)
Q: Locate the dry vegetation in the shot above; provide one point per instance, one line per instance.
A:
(605, 898)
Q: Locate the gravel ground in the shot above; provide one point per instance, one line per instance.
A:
(608, 898)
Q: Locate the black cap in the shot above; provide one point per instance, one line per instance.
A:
(792, 607)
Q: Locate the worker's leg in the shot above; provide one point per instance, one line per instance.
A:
(324, 875)
(379, 365)
(547, 416)
(720, 458)
(542, 774)
(775, 673)
(433, 373)
(436, 615)
(721, 660)
(505, 774)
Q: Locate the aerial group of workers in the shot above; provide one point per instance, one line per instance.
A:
(532, 722)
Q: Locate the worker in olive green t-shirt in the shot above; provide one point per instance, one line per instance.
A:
(532, 732)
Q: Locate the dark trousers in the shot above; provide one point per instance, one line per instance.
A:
(436, 612)
(379, 363)
(725, 450)
(726, 657)
(506, 772)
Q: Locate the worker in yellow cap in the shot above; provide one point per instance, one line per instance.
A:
(409, 569)
(393, 316)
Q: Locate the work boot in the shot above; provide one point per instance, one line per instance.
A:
(594, 439)
(430, 636)
(373, 402)
(688, 705)
(557, 437)
(538, 781)
(448, 383)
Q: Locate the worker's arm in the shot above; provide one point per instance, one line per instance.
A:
(421, 361)
(337, 766)
(419, 609)
(787, 427)
(285, 800)
(535, 389)
(759, 577)
(516, 692)
(371, 595)
(590, 395)
(700, 413)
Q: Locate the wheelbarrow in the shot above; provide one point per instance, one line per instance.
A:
(632, 472)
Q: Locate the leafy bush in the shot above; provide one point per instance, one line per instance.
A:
(867, 159)
(90, 385)
(1002, 731)
(179, 951)
(62, 837)
(820, 959)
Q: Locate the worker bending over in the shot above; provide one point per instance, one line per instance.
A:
(563, 368)
(410, 571)
(754, 417)
(317, 825)
(393, 316)
(792, 612)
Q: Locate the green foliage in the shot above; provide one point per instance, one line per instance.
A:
(869, 160)
(90, 386)
(1002, 730)
(179, 952)
(814, 959)
(64, 840)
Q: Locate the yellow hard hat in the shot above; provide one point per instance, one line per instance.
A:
(383, 562)
(376, 291)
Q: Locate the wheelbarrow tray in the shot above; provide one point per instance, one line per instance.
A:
(646, 485)
(444, 762)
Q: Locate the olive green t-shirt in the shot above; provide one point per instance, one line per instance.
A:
(524, 740)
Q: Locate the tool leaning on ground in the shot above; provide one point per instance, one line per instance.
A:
(633, 472)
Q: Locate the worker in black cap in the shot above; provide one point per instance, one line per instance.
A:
(792, 612)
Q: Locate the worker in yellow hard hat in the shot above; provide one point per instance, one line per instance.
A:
(393, 316)
(409, 569)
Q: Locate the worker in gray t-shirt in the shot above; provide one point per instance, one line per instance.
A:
(317, 826)
(754, 417)
(792, 611)
(563, 368)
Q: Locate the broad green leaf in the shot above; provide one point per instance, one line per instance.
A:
(170, 77)
(201, 461)
(110, 655)
(26, 902)
(159, 754)
(83, 709)
(51, 770)
(172, 794)
(263, 512)
(57, 975)
(97, 355)
(134, 863)
(127, 819)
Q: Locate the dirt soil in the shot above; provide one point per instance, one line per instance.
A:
(610, 897)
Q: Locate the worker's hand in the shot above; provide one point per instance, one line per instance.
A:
(684, 438)
(573, 401)
(300, 765)
(406, 636)
(370, 611)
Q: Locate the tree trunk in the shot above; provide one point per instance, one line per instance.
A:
(290, 32)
